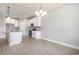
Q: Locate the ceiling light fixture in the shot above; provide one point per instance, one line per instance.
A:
(8, 16)
(41, 12)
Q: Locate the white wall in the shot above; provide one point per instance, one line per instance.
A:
(62, 25)
(2, 27)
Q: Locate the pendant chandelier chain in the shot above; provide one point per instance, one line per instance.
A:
(8, 11)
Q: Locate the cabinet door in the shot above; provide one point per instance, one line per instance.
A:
(15, 37)
(38, 34)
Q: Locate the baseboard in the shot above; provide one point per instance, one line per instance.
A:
(64, 44)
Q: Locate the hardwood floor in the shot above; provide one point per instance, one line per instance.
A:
(31, 46)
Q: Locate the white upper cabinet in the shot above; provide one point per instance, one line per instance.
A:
(9, 20)
(36, 21)
(12, 21)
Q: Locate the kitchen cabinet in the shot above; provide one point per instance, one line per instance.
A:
(36, 21)
(13, 21)
(36, 34)
(14, 38)
(16, 24)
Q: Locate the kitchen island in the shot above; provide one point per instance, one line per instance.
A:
(14, 38)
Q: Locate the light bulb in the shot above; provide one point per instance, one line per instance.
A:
(8, 19)
(45, 13)
(41, 11)
(37, 13)
(42, 14)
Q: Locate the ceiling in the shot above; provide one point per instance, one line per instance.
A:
(26, 9)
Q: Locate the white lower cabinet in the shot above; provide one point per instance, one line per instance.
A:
(36, 34)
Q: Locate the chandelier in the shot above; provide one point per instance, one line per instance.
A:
(40, 12)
